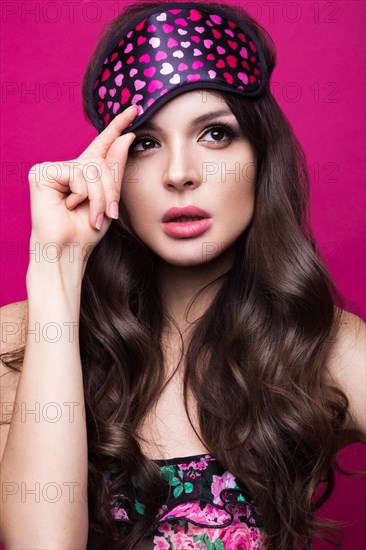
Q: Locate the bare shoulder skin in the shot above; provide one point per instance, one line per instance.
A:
(347, 367)
(13, 320)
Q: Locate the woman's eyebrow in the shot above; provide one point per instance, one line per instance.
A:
(207, 116)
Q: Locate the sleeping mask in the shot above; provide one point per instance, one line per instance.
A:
(168, 50)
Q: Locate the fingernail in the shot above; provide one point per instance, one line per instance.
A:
(131, 108)
(99, 222)
(113, 209)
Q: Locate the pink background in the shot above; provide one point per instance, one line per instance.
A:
(319, 83)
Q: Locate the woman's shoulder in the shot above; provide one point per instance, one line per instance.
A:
(347, 367)
(13, 319)
(13, 322)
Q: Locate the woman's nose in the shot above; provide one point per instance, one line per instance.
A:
(182, 170)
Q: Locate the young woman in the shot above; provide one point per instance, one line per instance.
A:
(219, 370)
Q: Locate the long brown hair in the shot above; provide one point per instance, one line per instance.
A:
(269, 413)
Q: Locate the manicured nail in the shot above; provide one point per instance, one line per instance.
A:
(131, 108)
(99, 222)
(113, 209)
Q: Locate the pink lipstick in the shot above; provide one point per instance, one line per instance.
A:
(186, 221)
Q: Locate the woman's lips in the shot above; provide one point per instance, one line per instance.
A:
(191, 228)
(189, 211)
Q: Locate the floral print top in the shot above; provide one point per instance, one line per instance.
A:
(207, 510)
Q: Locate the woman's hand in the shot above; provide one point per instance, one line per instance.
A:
(72, 201)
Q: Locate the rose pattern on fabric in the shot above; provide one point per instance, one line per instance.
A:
(226, 481)
(206, 509)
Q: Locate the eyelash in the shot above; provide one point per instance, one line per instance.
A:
(214, 126)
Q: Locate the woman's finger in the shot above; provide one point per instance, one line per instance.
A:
(99, 147)
(78, 188)
(93, 174)
(55, 175)
(117, 157)
(111, 189)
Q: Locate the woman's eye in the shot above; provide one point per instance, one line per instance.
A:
(141, 141)
(217, 133)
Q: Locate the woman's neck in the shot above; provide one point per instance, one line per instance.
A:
(179, 284)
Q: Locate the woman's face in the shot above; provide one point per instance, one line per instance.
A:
(176, 161)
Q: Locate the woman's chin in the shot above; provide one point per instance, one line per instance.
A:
(191, 256)
(185, 259)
